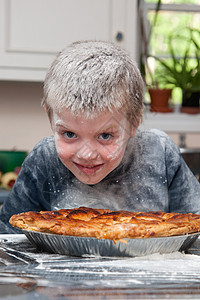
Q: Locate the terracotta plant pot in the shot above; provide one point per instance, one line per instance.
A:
(160, 100)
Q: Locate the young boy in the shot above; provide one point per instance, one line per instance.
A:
(97, 157)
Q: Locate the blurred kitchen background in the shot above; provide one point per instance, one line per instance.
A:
(33, 31)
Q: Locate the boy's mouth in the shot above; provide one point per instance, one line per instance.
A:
(88, 169)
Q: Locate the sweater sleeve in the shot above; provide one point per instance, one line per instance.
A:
(184, 189)
(27, 192)
(20, 199)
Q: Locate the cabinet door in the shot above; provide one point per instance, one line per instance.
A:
(32, 32)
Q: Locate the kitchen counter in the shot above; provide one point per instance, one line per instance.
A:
(27, 273)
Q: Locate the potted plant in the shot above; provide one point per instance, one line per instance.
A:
(160, 98)
(159, 95)
(183, 71)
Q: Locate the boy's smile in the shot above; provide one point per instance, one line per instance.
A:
(91, 147)
(89, 169)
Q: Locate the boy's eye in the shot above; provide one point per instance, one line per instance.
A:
(70, 135)
(105, 136)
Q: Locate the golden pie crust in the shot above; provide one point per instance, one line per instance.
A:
(106, 224)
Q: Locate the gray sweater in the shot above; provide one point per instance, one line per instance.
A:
(152, 176)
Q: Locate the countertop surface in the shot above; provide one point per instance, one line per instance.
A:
(27, 273)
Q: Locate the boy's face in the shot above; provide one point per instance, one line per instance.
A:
(91, 148)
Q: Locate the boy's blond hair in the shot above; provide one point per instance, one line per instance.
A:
(89, 77)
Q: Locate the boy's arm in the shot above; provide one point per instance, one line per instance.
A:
(24, 196)
(27, 193)
(184, 189)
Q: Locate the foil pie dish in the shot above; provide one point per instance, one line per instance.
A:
(88, 246)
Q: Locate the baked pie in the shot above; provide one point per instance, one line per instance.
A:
(107, 224)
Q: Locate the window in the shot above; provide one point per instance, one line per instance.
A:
(173, 19)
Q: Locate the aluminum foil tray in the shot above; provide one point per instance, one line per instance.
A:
(83, 246)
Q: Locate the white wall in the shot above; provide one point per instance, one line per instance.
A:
(192, 140)
(22, 119)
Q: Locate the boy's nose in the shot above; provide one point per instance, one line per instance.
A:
(87, 152)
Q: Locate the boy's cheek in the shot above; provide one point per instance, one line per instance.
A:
(60, 150)
(63, 150)
(114, 152)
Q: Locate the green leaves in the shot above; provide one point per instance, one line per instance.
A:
(181, 70)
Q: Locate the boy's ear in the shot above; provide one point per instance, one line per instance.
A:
(132, 131)
(48, 111)
(45, 108)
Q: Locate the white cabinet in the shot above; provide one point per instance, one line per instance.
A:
(33, 31)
